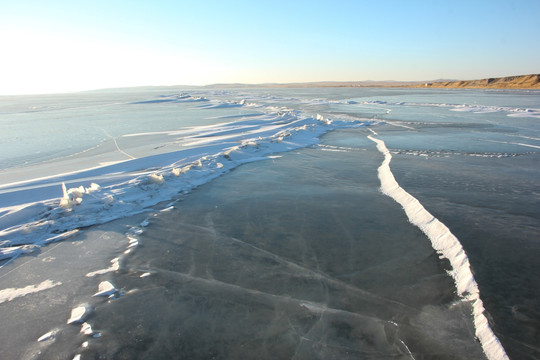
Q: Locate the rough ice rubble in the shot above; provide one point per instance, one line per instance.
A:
(73, 196)
(180, 98)
(447, 245)
(324, 120)
(145, 182)
(227, 104)
(478, 109)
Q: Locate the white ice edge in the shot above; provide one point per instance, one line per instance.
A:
(478, 109)
(138, 185)
(447, 245)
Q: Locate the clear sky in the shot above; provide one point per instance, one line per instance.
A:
(56, 46)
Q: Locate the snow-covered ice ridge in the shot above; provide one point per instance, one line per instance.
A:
(68, 202)
(447, 245)
(478, 109)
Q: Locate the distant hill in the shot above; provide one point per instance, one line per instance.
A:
(319, 84)
(510, 82)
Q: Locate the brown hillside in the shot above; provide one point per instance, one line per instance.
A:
(510, 82)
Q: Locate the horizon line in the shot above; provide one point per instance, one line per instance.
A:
(332, 83)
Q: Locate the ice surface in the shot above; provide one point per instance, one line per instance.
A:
(147, 167)
(285, 259)
(30, 317)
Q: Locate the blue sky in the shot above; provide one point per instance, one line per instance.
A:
(54, 46)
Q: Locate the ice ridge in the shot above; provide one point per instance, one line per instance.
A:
(447, 245)
(137, 185)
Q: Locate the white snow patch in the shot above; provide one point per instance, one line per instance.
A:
(115, 265)
(10, 294)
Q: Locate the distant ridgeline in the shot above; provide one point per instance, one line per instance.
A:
(510, 82)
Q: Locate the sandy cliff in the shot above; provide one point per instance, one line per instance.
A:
(510, 82)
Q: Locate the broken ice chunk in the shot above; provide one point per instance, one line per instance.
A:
(46, 336)
(71, 197)
(156, 179)
(93, 188)
(78, 314)
(132, 242)
(105, 288)
(86, 329)
(135, 230)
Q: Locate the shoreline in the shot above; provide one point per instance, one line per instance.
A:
(510, 82)
(519, 82)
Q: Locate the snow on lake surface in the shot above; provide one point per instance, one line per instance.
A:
(142, 174)
(75, 160)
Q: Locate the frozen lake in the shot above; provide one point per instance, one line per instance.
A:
(252, 223)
